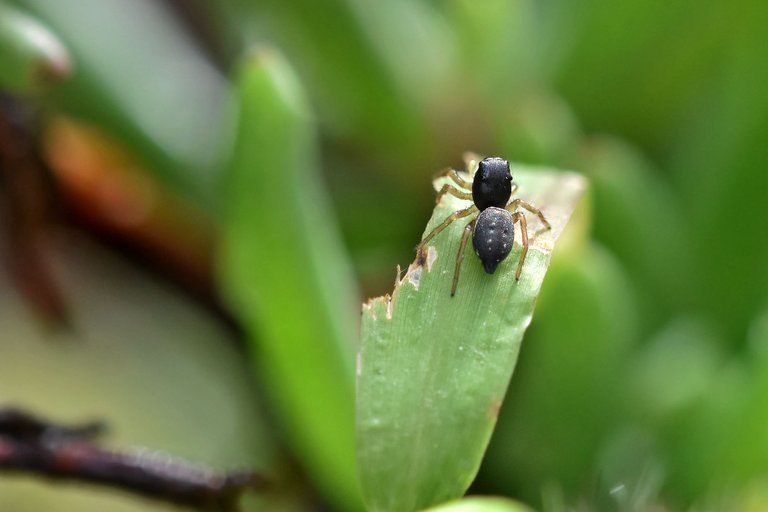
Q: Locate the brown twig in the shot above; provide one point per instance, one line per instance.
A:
(22, 426)
(32, 445)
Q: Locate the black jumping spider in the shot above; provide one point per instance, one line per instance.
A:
(493, 227)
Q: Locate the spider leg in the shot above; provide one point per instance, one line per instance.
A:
(519, 217)
(515, 203)
(450, 189)
(460, 255)
(469, 210)
(470, 161)
(514, 189)
(456, 177)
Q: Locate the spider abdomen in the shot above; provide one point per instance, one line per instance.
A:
(493, 237)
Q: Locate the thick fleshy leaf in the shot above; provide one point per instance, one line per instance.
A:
(433, 369)
(286, 276)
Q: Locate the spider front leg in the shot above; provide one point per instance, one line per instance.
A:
(520, 217)
(514, 204)
(456, 177)
(460, 255)
(469, 210)
(450, 189)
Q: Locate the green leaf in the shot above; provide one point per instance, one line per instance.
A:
(31, 56)
(482, 504)
(286, 276)
(433, 369)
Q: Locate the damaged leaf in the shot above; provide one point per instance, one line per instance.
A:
(432, 370)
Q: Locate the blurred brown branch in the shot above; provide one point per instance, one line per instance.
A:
(32, 445)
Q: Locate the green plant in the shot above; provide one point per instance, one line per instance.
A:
(280, 191)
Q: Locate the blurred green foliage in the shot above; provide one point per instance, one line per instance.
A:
(643, 379)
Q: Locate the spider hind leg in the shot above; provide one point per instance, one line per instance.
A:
(520, 217)
(469, 210)
(468, 229)
(515, 203)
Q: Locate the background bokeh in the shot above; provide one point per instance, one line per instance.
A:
(643, 381)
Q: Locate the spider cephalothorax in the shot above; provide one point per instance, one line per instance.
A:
(493, 227)
(492, 184)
